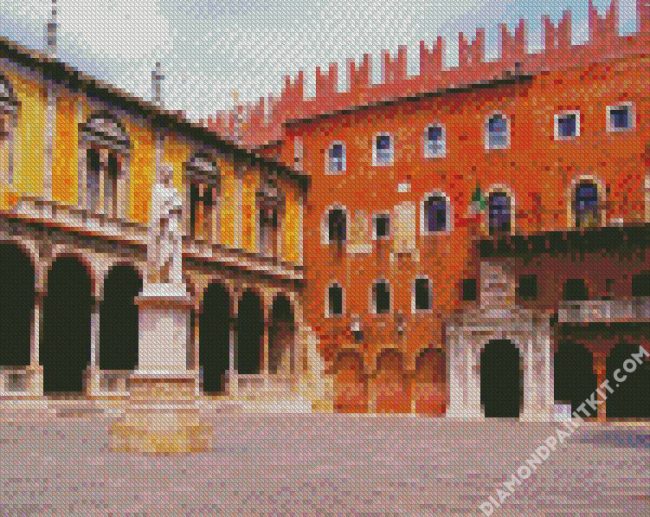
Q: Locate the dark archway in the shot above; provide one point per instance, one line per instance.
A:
(65, 346)
(250, 324)
(214, 337)
(281, 337)
(501, 387)
(118, 320)
(631, 397)
(574, 374)
(16, 305)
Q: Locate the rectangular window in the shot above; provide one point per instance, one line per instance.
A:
(620, 118)
(335, 300)
(382, 298)
(527, 288)
(337, 226)
(469, 289)
(381, 226)
(422, 294)
(383, 150)
(435, 142)
(336, 158)
(567, 125)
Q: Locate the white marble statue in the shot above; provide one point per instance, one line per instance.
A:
(164, 247)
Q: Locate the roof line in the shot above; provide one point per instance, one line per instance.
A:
(73, 78)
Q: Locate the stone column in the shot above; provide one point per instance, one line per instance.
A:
(103, 169)
(239, 189)
(455, 374)
(93, 374)
(233, 383)
(265, 342)
(36, 377)
(50, 127)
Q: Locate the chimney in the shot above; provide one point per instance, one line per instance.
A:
(156, 85)
(52, 26)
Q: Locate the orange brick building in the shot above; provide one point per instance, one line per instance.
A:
(531, 170)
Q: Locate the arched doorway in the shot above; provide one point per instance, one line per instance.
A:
(250, 325)
(391, 389)
(118, 319)
(630, 397)
(65, 346)
(429, 388)
(16, 305)
(350, 390)
(574, 374)
(214, 337)
(281, 337)
(501, 387)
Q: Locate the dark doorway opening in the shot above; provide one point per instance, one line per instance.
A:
(250, 325)
(16, 305)
(118, 320)
(501, 379)
(65, 346)
(575, 379)
(214, 337)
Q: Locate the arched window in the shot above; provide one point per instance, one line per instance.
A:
(435, 214)
(204, 178)
(435, 141)
(382, 149)
(497, 129)
(336, 158)
(334, 300)
(499, 213)
(586, 204)
(106, 147)
(422, 296)
(8, 121)
(336, 225)
(270, 203)
(381, 297)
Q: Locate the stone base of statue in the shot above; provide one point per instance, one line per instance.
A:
(162, 415)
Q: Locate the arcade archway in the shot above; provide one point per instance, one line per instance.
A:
(281, 337)
(214, 337)
(391, 389)
(118, 320)
(65, 346)
(630, 397)
(575, 379)
(250, 326)
(350, 389)
(16, 305)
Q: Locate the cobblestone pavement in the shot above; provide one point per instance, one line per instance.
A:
(281, 464)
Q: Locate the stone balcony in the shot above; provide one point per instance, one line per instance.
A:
(85, 222)
(635, 310)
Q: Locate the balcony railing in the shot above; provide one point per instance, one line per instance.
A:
(84, 221)
(635, 310)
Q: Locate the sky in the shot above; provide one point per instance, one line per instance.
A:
(211, 48)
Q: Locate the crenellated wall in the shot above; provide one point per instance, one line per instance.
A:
(258, 123)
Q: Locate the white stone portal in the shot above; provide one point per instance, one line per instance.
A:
(498, 318)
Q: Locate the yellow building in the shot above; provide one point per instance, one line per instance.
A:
(78, 159)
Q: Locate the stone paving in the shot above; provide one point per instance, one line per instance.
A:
(318, 464)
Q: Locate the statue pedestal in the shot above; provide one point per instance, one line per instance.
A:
(162, 415)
